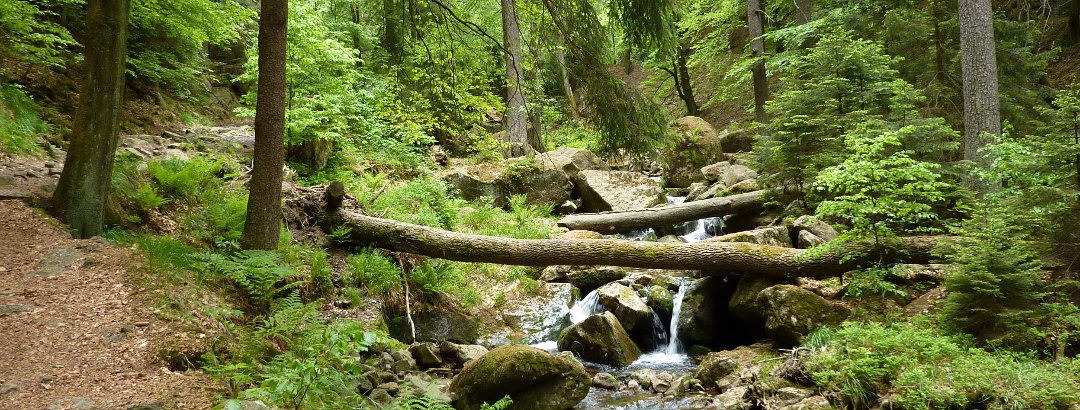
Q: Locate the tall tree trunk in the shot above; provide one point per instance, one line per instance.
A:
(263, 224)
(1074, 20)
(560, 56)
(757, 51)
(515, 90)
(392, 37)
(979, 68)
(804, 11)
(354, 16)
(686, 89)
(80, 195)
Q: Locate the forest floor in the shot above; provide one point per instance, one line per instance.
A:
(78, 326)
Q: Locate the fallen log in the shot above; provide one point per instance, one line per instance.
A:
(613, 222)
(710, 256)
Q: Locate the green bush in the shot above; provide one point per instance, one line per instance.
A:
(926, 370)
(259, 277)
(374, 271)
(187, 180)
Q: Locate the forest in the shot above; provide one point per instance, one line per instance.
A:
(539, 204)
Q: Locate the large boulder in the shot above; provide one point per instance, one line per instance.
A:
(618, 191)
(736, 141)
(436, 326)
(541, 318)
(571, 161)
(474, 182)
(713, 367)
(703, 313)
(774, 235)
(728, 173)
(600, 339)
(696, 145)
(819, 228)
(523, 177)
(534, 380)
(792, 312)
(594, 277)
(627, 306)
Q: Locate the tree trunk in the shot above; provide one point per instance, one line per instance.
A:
(710, 256)
(804, 11)
(263, 224)
(515, 88)
(1074, 20)
(979, 68)
(686, 90)
(757, 51)
(392, 37)
(354, 16)
(613, 222)
(560, 56)
(80, 195)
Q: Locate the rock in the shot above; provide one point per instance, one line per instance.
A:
(792, 312)
(9, 387)
(542, 317)
(821, 403)
(911, 274)
(627, 306)
(595, 277)
(728, 173)
(660, 300)
(147, 406)
(57, 261)
(571, 161)
(744, 304)
(600, 339)
(696, 145)
(617, 191)
(793, 393)
(671, 239)
(473, 183)
(815, 226)
(661, 382)
(403, 362)
(695, 190)
(604, 380)
(808, 240)
(565, 208)
(701, 310)
(748, 185)
(556, 273)
(714, 226)
(381, 396)
(436, 326)
(13, 309)
(391, 388)
(713, 367)
(736, 141)
(644, 377)
(734, 398)
(522, 177)
(533, 378)
(579, 234)
(775, 236)
(426, 354)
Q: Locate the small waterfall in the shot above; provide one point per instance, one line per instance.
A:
(674, 345)
(587, 306)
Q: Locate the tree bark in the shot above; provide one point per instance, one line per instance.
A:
(392, 34)
(757, 51)
(685, 87)
(979, 69)
(560, 56)
(515, 90)
(804, 11)
(710, 256)
(262, 226)
(80, 194)
(613, 222)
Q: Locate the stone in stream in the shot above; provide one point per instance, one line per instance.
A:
(594, 277)
(617, 191)
(534, 380)
(713, 367)
(627, 306)
(600, 339)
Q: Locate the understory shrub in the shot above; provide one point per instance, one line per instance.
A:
(925, 369)
(21, 129)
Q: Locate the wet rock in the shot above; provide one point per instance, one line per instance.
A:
(600, 339)
(715, 366)
(618, 191)
(815, 226)
(696, 146)
(775, 236)
(661, 300)
(703, 311)
(427, 354)
(604, 380)
(541, 318)
(644, 377)
(533, 378)
(792, 312)
(627, 306)
(661, 382)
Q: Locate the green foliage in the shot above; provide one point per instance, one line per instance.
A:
(871, 281)
(186, 180)
(844, 89)
(29, 33)
(879, 188)
(21, 129)
(260, 277)
(925, 370)
(503, 404)
(422, 201)
(374, 271)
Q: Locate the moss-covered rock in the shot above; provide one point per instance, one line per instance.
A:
(792, 312)
(661, 300)
(533, 378)
(744, 303)
(594, 277)
(600, 339)
(703, 311)
(696, 146)
(714, 367)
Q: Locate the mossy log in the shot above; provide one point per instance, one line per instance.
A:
(708, 256)
(613, 222)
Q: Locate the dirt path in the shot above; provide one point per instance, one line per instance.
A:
(74, 332)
